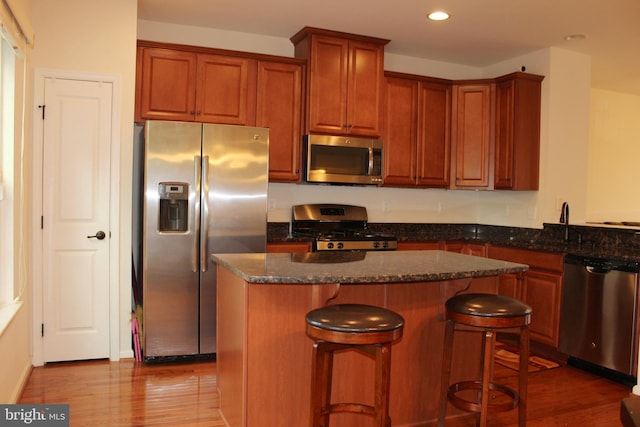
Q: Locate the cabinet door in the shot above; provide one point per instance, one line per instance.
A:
(168, 81)
(434, 142)
(289, 247)
(226, 90)
(327, 99)
(400, 151)
(279, 107)
(509, 285)
(418, 246)
(517, 156)
(542, 292)
(475, 249)
(472, 137)
(365, 87)
(139, 65)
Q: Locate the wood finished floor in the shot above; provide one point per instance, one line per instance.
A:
(125, 393)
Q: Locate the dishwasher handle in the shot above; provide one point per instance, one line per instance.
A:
(596, 269)
(602, 264)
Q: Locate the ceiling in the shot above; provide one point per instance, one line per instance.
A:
(479, 33)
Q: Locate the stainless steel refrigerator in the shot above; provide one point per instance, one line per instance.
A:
(205, 191)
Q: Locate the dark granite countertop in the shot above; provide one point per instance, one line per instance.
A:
(362, 267)
(586, 239)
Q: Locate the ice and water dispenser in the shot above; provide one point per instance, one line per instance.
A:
(174, 206)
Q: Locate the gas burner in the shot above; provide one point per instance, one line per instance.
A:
(338, 228)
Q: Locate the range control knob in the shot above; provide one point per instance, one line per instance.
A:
(330, 245)
(340, 245)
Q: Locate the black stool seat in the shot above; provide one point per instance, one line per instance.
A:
(354, 318)
(364, 328)
(487, 312)
(488, 306)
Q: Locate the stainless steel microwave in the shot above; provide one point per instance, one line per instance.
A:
(343, 160)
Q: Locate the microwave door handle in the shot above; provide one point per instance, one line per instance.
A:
(370, 171)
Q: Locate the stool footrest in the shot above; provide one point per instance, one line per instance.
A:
(475, 406)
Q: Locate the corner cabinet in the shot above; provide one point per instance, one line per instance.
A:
(189, 83)
(416, 131)
(517, 159)
(541, 288)
(344, 81)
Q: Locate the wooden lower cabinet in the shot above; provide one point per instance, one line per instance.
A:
(418, 246)
(476, 249)
(540, 287)
(288, 247)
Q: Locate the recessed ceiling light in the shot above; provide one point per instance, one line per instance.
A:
(570, 37)
(438, 16)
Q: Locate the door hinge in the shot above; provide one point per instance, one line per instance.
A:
(42, 107)
(42, 329)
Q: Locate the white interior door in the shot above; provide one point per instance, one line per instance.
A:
(76, 179)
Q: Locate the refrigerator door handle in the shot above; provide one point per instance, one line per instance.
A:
(204, 236)
(197, 166)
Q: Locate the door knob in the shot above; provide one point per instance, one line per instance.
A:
(99, 235)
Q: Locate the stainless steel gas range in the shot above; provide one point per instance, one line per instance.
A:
(336, 227)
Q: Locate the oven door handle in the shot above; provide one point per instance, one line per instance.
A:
(370, 171)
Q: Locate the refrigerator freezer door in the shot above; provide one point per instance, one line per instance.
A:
(170, 264)
(234, 206)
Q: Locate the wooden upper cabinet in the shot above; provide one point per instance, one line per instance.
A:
(279, 107)
(344, 81)
(517, 156)
(434, 134)
(416, 131)
(167, 84)
(188, 86)
(472, 136)
(400, 132)
(189, 83)
(226, 90)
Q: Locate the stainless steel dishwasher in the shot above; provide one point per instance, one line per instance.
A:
(599, 310)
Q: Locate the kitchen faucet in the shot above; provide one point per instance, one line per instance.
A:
(564, 219)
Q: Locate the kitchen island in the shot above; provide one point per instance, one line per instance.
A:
(264, 356)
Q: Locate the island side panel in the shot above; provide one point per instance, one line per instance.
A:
(231, 346)
(417, 359)
(277, 353)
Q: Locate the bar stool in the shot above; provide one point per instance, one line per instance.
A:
(367, 329)
(486, 312)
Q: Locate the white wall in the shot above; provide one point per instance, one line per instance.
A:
(614, 151)
(98, 37)
(564, 131)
